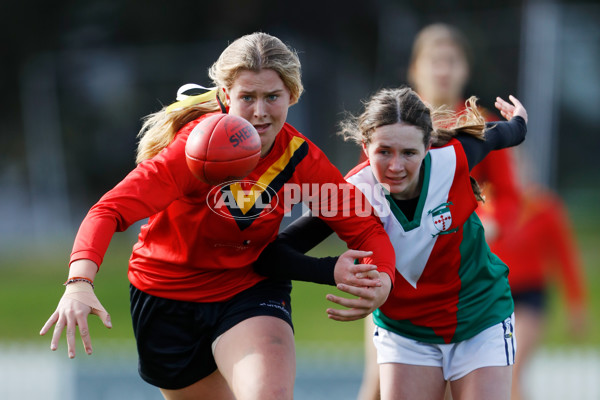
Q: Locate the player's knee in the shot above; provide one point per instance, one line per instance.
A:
(271, 390)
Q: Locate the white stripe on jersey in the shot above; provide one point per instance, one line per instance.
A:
(412, 247)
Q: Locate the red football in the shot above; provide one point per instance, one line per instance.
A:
(222, 148)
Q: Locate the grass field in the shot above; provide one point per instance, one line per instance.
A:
(31, 287)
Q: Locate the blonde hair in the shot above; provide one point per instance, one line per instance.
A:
(252, 52)
(403, 105)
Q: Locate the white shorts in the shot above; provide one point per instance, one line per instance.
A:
(495, 346)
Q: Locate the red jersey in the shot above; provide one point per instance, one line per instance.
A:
(196, 248)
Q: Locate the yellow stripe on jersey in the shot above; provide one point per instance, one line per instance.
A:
(248, 198)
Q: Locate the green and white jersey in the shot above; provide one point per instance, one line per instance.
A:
(449, 286)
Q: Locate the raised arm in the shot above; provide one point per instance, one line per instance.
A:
(499, 134)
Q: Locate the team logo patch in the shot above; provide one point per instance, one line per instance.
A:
(442, 219)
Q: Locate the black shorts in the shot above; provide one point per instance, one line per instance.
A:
(174, 338)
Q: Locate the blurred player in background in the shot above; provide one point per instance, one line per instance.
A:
(439, 71)
(540, 251)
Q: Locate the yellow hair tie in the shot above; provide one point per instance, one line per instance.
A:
(185, 100)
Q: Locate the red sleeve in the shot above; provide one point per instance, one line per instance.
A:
(146, 190)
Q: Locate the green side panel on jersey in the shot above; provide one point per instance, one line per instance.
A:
(485, 298)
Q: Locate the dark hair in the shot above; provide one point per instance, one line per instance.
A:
(403, 105)
(387, 107)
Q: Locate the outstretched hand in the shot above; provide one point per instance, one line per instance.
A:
(508, 110)
(73, 309)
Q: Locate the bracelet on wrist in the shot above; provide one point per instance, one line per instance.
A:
(79, 279)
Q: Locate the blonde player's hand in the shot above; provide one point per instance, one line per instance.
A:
(348, 272)
(78, 301)
(508, 110)
(366, 300)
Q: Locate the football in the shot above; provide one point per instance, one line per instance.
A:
(222, 148)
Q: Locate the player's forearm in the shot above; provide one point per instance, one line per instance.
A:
(83, 268)
(279, 260)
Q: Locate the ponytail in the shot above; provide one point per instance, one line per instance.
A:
(159, 128)
(447, 124)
